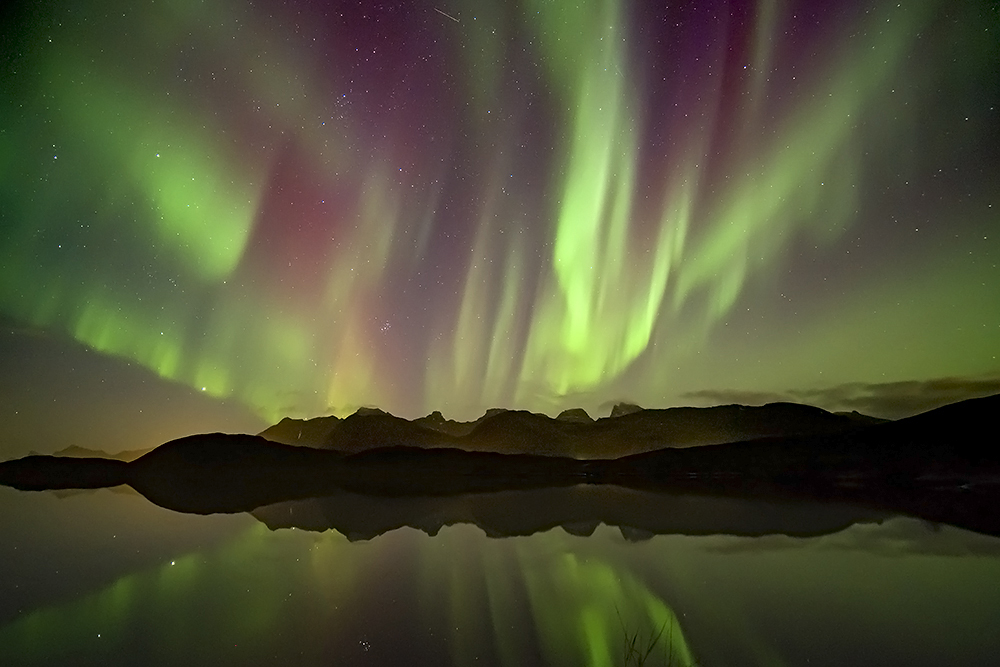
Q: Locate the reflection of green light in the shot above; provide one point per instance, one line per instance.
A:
(297, 593)
(510, 640)
(585, 611)
(121, 598)
(538, 596)
(209, 602)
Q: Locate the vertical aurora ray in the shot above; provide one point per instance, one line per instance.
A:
(601, 312)
(789, 189)
(589, 249)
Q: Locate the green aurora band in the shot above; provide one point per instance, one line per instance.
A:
(149, 210)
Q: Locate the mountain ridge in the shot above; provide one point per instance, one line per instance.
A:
(628, 430)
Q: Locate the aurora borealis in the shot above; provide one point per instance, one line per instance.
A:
(305, 207)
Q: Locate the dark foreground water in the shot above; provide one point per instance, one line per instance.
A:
(106, 577)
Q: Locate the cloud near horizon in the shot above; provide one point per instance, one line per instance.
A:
(889, 400)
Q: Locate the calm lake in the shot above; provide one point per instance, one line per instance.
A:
(106, 577)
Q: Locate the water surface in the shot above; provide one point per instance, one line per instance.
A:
(107, 577)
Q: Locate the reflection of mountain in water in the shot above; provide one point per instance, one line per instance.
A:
(577, 509)
(796, 481)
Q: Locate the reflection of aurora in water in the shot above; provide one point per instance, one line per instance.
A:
(535, 205)
(225, 590)
(315, 598)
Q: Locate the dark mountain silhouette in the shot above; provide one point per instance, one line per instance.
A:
(40, 473)
(578, 415)
(861, 419)
(303, 432)
(573, 433)
(938, 466)
(620, 409)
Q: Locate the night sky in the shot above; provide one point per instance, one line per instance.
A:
(216, 214)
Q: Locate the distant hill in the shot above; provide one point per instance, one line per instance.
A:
(82, 452)
(630, 430)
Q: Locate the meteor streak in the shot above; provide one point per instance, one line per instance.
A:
(446, 14)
